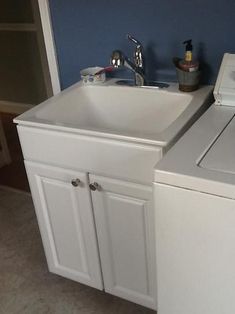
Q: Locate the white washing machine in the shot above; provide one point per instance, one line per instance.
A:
(195, 211)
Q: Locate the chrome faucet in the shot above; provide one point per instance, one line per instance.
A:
(118, 59)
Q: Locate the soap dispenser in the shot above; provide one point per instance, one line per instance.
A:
(188, 64)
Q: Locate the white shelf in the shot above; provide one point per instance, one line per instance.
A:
(18, 27)
(14, 107)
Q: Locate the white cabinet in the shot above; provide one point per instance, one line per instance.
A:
(66, 222)
(122, 218)
(123, 214)
(103, 238)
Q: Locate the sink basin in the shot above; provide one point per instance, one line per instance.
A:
(127, 111)
(149, 115)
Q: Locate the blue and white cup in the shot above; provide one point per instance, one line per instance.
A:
(92, 76)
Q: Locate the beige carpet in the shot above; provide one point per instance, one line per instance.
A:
(26, 286)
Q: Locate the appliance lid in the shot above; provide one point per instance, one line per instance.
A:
(224, 91)
(221, 155)
(203, 159)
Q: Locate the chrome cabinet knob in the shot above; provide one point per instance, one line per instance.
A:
(94, 186)
(75, 182)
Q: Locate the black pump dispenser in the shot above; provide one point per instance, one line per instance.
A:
(188, 64)
(189, 46)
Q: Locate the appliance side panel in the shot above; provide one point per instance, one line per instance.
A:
(195, 251)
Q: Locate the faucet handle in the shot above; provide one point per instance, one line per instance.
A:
(135, 41)
(138, 54)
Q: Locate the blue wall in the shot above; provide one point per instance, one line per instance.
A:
(86, 32)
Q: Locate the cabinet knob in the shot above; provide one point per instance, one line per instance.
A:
(75, 182)
(94, 186)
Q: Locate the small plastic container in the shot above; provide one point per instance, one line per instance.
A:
(93, 75)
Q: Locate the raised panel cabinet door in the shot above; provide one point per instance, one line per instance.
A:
(125, 228)
(63, 207)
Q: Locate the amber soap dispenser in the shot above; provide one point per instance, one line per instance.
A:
(188, 64)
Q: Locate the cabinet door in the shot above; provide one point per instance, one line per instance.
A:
(66, 222)
(125, 227)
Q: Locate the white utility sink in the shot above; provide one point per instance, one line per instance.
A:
(140, 114)
(90, 154)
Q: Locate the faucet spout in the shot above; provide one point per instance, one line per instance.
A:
(118, 59)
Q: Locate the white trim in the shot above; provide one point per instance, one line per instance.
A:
(18, 27)
(44, 11)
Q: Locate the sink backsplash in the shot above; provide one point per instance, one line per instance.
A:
(86, 32)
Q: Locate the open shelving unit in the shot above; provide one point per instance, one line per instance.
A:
(24, 74)
(26, 77)
(18, 27)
